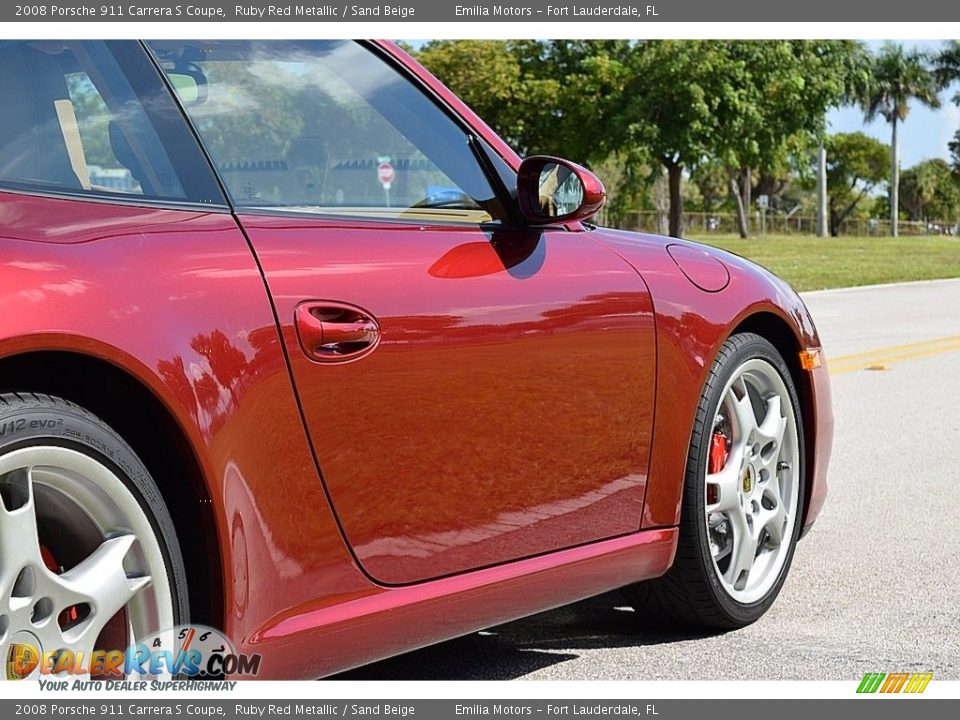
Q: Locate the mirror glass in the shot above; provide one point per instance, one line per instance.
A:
(187, 87)
(561, 191)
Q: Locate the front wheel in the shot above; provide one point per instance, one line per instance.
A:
(88, 554)
(743, 493)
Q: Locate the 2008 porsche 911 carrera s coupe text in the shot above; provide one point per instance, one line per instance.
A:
(292, 345)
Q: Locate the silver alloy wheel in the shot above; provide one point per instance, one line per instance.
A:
(57, 497)
(751, 502)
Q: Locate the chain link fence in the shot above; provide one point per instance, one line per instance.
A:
(699, 224)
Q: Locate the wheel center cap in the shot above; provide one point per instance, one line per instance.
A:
(746, 482)
(23, 656)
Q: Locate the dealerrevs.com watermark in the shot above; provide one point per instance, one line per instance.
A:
(197, 656)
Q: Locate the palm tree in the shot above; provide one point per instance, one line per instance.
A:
(898, 77)
(947, 65)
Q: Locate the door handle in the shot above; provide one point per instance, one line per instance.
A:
(332, 332)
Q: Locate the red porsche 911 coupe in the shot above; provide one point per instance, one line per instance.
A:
(294, 346)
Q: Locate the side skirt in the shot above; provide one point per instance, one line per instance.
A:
(336, 634)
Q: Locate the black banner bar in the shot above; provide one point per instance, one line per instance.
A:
(122, 708)
(539, 11)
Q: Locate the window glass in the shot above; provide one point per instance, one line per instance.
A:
(325, 127)
(93, 122)
(72, 121)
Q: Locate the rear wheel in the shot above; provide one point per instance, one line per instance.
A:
(88, 554)
(742, 495)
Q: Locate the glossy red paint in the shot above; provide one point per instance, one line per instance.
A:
(691, 327)
(494, 456)
(820, 428)
(176, 300)
(506, 413)
(700, 267)
(389, 621)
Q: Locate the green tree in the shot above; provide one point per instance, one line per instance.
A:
(899, 76)
(744, 104)
(541, 97)
(590, 76)
(488, 77)
(711, 180)
(928, 191)
(783, 89)
(947, 66)
(670, 107)
(627, 179)
(549, 97)
(856, 164)
(955, 155)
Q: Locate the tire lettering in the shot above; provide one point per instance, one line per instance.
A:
(41, 424)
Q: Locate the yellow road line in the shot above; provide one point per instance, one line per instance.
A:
(893, 354)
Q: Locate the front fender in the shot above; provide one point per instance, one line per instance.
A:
(691, 326)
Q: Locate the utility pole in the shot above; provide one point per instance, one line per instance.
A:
(895, 180)
(821, 191)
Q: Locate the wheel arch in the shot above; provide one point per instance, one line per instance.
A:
(781, 335)
(148, 425)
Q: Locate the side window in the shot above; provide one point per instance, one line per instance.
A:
(326, 127)
(93, 117)
(73, 121)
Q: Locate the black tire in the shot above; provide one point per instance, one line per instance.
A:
(33, 419)
(690, 593)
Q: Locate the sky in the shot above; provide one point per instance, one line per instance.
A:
(925, 133)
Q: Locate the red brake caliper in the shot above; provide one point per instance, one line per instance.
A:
(71, 613)
(716, 461)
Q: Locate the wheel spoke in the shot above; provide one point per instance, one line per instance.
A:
(774, 518)
(100, 581)
(726, 482)
(746, 417)
(744, 550)
(19, 543)
(771, 431)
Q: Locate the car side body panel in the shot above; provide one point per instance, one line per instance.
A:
(177, 300)
(507, 410)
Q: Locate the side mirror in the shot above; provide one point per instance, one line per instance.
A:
(553, 190)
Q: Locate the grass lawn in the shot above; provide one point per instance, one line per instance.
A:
(812, 263)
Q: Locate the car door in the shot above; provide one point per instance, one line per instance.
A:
(475, 391)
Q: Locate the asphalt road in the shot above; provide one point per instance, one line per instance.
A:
(874, 586)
